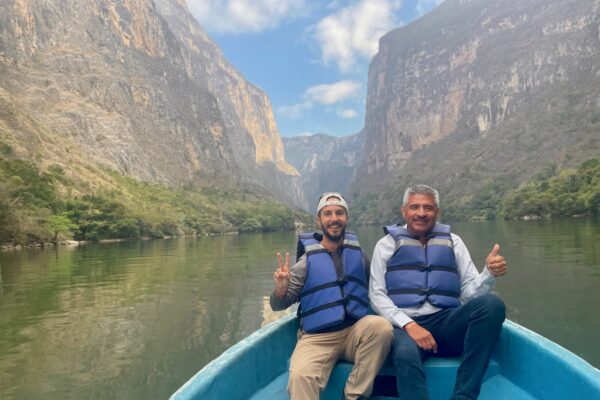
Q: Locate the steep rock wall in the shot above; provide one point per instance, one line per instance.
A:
(480, 95)
(326, 163)
(117, 84)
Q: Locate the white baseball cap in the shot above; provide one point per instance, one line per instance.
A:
(331, 199)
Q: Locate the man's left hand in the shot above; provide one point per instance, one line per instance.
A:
(495, 262)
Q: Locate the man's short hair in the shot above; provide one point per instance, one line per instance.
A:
(422, 190)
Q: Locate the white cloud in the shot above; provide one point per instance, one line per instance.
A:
(347, 114)
(424, 6)
(353, 32)
(240, 16)
(332, 93)
(295, 110)
(327, 94)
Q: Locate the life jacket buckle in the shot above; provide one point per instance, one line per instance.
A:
(424, 292)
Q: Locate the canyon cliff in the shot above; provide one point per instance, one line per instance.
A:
(137, 87)
(477, 97)
(326, 163)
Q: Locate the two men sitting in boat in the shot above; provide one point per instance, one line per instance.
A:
(423, 284)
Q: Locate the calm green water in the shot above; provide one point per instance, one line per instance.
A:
(136, 320)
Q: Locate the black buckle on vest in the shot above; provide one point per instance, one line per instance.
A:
(424, 292)
(423, 267)
(341, 281)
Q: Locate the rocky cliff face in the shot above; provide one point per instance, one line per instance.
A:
(135, 86)
(326, 163)
(246, 109)
(478, 96)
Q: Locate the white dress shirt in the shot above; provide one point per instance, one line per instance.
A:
(472, 283)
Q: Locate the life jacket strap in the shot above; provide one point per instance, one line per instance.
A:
(356, 280)
(339, 282)
(358, 300)
(322, 307)
(421, 267)
(343, 302)
(425, 292)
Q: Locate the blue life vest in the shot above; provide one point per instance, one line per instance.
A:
(417, 273)
(326, 299)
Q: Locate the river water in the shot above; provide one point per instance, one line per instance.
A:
(135, 320)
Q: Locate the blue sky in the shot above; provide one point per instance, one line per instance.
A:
(311, 57)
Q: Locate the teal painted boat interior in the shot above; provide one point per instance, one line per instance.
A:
(524, 366)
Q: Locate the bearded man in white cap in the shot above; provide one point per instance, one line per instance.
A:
(330, 280)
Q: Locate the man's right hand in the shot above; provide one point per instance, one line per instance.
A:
(421, 336)
(281, 276)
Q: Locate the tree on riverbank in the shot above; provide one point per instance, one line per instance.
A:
(573, 192)
(37, 206)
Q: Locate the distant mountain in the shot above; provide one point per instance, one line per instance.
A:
(136, 87)
(477, 97)
(326, 163)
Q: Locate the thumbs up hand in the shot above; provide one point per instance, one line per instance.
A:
(495, 262)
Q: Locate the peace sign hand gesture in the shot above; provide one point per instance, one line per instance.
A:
(281, 276)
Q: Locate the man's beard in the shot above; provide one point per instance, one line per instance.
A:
(332, 237)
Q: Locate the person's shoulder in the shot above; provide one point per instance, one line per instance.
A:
(454, 236)
(387, 239)
(457, 241)
(300, 263)
(386, 242)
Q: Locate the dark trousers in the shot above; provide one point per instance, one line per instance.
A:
(471, 330)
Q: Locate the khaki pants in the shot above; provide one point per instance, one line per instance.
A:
(366, 344)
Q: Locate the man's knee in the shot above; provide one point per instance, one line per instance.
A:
(302, 375)
(493, 307)
(381, 329)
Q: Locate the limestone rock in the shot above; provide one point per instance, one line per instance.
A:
(326, 163)
(478, 96)
(137, 87)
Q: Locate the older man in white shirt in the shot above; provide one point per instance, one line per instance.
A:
(424, 282)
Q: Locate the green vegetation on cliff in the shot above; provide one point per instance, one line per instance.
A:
(572, 192)
(38, 206)
(552, 193)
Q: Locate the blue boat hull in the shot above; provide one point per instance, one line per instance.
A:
(524, 366)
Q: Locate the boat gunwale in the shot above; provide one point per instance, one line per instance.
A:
(202, 381)
(549, 356)
(513, 336)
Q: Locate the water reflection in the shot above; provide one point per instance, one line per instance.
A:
(269, 315)
(136, 320)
